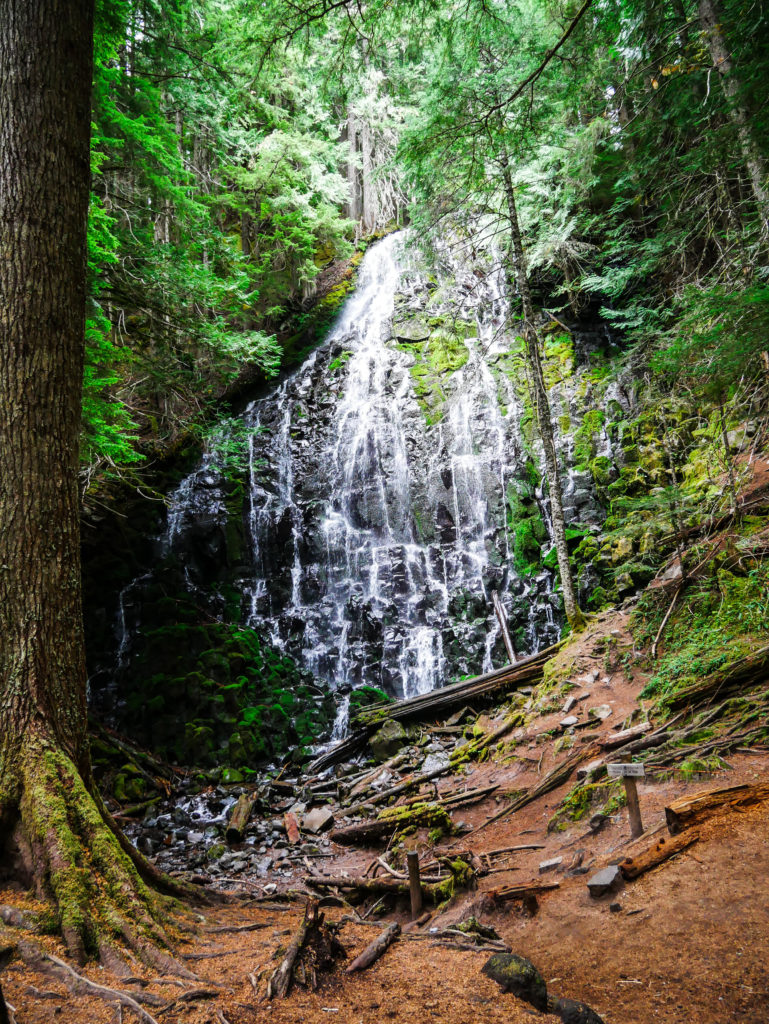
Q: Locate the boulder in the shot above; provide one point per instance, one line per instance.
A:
(607, 880)
(601, 712)
(412, 331)
(572, 1012)
(435, 761)
(318, 820)
(518, 975)
(387, 741)
(550, 865)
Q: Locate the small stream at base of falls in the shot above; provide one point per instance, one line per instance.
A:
(374, 538)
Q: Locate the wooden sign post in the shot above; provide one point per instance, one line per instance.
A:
(629, 773)
(415, 885)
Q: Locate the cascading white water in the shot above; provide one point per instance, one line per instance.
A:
(375, 538)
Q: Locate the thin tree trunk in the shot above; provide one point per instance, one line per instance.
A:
(711, 18)
(369, 192)
(541, 402)
(353, 173)
(727, 453)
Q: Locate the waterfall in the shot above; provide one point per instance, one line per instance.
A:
(375, 537)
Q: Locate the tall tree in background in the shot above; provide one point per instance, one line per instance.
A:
(56, 833)
(462, 151)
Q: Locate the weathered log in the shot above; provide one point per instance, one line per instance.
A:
(751, 670)
(363, 784)
(469, 796)
(364, 833)
(502, 620)
(412, 782)
(431, 705)
(515, 849)
(383, 886)
(684, 813)
(375, 949)
(280, 982)
(645, 743)
(241, 812)
(664, 848)
(342, 751)
(520, 892)
(619, 739)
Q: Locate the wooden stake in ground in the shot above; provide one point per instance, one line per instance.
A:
(415, 886)
(280, 982)
(629, 773)
(241, 813)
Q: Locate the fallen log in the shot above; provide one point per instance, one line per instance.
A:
(520, 892)
(241, 812)
(375, 949)
(342, 751)
(435, 892)
(684, 813)
(619, 739)
(280, 981)
(431, 705)
(469, 796)
(364, 784)
(751, 670)
(664, 848)
(412, 782)
(515, 849)
(363, 834)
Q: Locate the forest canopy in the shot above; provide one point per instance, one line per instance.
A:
(239, 149)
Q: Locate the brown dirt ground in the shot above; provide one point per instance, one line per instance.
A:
(689, 943)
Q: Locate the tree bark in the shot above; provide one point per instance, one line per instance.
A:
(353, 172)
(711, 18)
(45, 79)
(540, 399)
(56, 833)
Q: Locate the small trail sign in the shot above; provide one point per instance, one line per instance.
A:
(626, 771)
(629, 773)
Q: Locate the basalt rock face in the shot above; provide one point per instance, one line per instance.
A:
(387, 486)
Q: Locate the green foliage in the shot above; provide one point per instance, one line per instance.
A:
(228, 443)
(717, 622)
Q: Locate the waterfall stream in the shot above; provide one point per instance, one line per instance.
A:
(374, 536)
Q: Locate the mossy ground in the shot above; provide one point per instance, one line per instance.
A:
(718, 620)
(210, 694)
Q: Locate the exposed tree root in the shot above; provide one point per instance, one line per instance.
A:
(51, 965)
(66, 847)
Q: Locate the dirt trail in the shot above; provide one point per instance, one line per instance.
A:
(687, 942)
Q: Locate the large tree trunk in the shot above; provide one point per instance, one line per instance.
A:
(541, 402)
(711, 18)
(50, 812)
